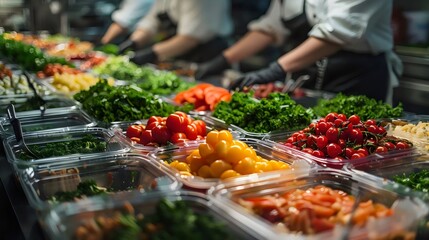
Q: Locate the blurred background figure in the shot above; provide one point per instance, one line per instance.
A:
(191, 30)
(124, 19)
(344, 46)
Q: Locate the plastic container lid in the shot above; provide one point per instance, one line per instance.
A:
(121, 174)
(407, 210)
(62, 221)
(14, 150)
(262, 149)
(71, 118)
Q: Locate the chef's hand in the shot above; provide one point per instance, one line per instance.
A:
(212, 67)
(273, 73)
(127, 45)
(143, 56)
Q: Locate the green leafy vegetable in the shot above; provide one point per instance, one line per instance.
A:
(120, 67)
(418, 181)
(88, 144)
(163, 82)
(28, 56)
(171, 220)
(124, 103)
(85, 188)
(364, 107)
(276, 112)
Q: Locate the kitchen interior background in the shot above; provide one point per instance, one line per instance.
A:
(88, 20)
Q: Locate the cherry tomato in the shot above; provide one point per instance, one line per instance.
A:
(308, 150)
(191, 132)
(372, 129)
(301, 137)
(402, 145)
(389, 145)
(349, 152)
(382, 131)
(186, 118)
(161, 134)
(321, 142)
(356, 136)
(154, 119)
(338, 122)
(152, 125)
(357, 155)
(291, 139)
(342, 117)
(331, 117)
(135, 139)
(318, 153)
(134, 130)
(178, 137)
(371, 122)
(311, 141)
(176, 123)
(332, 134)
(333, 150)
(342, 143)
(322, 127)
(287, 144)
(146, 137)
(354, 119)
(381, 149)
(201, 127)
(363, 151)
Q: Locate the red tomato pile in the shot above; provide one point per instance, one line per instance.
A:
(176, 128)
(339, 137)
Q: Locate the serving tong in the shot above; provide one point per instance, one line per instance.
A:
(290, 85)
(17, 129)
(38, 98)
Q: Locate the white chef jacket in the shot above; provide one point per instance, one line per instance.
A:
(201, 19)
(130, 12)
(361, 26)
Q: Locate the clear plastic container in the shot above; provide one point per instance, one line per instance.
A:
(120, 128)
(120, 174)
(15, 153)
(413, 128)
(391, 168)
(261, 148)
(63, 221)
(70, 118)
(27, 106)
(407, 210)
(278, 139)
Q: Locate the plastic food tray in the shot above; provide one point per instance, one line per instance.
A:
(261, 148)
(122, 173)
(233, 127)
(62, 221)
(407, 210)
(120, 129)
(70, 118)
(388, 169)
(53, 104)
(277, 139)
(13, 149)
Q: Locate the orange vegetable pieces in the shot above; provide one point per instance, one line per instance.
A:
(204, 96)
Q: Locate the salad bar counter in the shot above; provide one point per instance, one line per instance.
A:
(100, 148)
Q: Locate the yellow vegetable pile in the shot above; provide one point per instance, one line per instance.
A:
(222, 157)
(73, 83)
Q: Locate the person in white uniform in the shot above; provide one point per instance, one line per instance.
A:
(125, 18)
(194, 30)
(345, 46)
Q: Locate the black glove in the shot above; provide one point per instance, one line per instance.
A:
(127, 45)
(212, 67)
(273, 73)
(143, 56)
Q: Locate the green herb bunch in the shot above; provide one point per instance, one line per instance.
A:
(366, 108)
(124, 103)
(276, 112)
